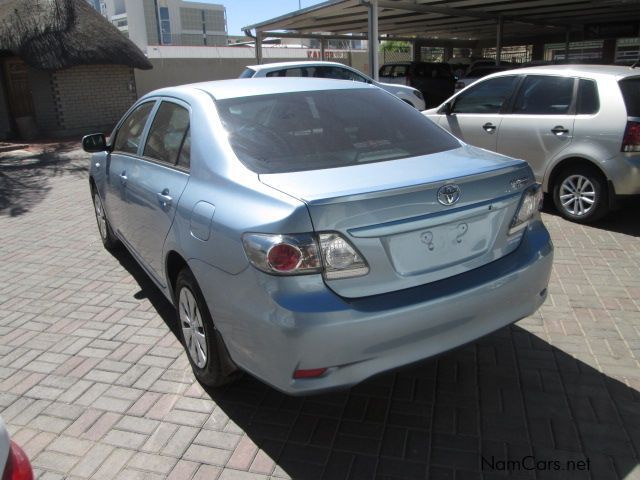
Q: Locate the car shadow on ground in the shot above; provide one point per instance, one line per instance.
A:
(25, 175)
(623, 220)
(508, 405)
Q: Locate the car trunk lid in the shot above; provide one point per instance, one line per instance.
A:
(390, 212)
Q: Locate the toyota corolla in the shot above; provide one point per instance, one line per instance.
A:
(316, 232)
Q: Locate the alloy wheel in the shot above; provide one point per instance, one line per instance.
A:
(193, 330)
(577, 195)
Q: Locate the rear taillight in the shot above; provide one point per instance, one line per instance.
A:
(283, 254)
(631, 139)
(530, 204)
(18, 466)
(298, 254)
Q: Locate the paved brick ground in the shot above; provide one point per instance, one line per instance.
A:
(94, 383)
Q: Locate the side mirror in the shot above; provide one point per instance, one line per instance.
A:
(96, 142)
(446, 109)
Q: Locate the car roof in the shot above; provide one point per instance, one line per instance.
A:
(586, 70)
(247, 87)
(302, 63)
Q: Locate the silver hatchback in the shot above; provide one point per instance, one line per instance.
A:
(317, 232)
(578, 126)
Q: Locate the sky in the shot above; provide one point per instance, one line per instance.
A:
(241, 13)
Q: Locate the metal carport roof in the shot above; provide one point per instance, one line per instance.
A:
(455, 19)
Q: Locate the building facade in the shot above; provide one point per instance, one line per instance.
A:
(168, 22)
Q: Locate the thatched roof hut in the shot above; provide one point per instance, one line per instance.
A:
(58, 34)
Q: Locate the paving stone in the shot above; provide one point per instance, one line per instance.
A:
(94, 384)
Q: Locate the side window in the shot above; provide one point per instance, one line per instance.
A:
(485, 97)
(338, 73)
(184, 159)
(130, 132)
(544, 95)
(588, 102)
(386, 70)
(277, 73)
(290, 72)
(167, 133)
(400, 71)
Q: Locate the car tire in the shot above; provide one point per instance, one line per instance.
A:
(109, 239)
(580, 194)
(202, 342)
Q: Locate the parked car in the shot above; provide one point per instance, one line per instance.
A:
(334, 70)
(317, 232)
(14, 463)
(578, 126)
(435, 80)
(475, 74)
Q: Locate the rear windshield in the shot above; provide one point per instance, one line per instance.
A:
(630, 88)
(298, 131)
(247, 73)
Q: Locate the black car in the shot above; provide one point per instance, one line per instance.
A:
(434, 80)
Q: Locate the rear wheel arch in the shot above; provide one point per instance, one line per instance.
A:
(174, 264)
(570, 162)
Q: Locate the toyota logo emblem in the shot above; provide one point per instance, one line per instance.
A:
(449, 194)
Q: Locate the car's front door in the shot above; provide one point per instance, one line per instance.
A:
(125, 146)
(476, 114)
(540, 125)
(156, 182)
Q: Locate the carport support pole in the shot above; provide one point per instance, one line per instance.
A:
(258, 47)
(323, 45)
(499, 39)
(567, 43)
(373, 39)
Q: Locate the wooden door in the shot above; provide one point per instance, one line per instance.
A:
(20, 99)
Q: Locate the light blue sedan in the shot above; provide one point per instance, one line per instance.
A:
(317, 232)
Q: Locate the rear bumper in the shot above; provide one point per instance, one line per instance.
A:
(623, 171)
(275, 325)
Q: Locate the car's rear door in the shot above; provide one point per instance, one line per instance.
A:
(125, 146)
(540, 124)
(476, 114)
(156, 181)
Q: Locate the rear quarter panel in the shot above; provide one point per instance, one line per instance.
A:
(596, 138)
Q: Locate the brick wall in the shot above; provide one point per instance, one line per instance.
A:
(92, 97)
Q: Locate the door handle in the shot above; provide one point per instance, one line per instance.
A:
(559, 130)
(123, 177)
(489, 127)
(164, 198)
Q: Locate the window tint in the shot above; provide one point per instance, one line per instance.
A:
(293, 72)
(130, 132)
(184, 159)
(167, 132)
(630, 88)
(338, 73)
(298, 131)
(588, 102)
(544, 95)
(485, 97)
